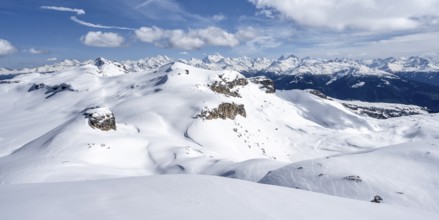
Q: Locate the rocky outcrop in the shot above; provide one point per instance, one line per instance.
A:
(385, 113)
(100, 118)
(9, 81)
(224, 111)
(377, 199)
(317, 93)
(36, 86)
(356, 179)
(227, 86)
(51, 90)
(264, 83)
(59, 88)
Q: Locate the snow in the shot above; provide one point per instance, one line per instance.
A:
(358, 85)
(403, 64)
(184, 197)
(400, 174)
(98, 111)
(387, 106)
(51, 157)
(283, 65)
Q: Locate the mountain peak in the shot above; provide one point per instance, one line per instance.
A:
(213, 58)
(100, 61)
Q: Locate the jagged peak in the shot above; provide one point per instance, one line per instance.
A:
(100, 61)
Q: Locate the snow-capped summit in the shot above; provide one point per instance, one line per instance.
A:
(147, 64)
(284, 64)
(213, 58)
(109, 68)
(404, 64)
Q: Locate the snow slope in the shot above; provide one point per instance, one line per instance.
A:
(45, 135)
(158, 128)
(184, 197)
(401, 174)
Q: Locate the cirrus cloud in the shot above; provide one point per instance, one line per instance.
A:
(102, 39)
(6, 47)
(366, 15)
(88, 24)
(65, 9)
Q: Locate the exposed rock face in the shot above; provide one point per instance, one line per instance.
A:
(224, 111)
(385, 113)
(59, 88)
(264, 83)
(228, 86)
(101, 118)
(317, 93)
(9, 81)
(36, 86)
(100, 61)
(51, 90)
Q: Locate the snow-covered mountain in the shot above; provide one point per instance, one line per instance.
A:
(412, 68)
(100, 120)
(403, 64)
(413, 80)
(282, 65)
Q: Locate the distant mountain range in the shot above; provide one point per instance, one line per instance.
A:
(413, 80)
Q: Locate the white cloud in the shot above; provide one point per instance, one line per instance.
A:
(260, 39)
(369, 15)
(52, 59)
(216, 36)
(57, 8)
(247, 33)
(219, 17)
(6, 47)
(88, 24)
(102, 39)
(182, 40)
(37, 51)
(149, 35)
(187, 40)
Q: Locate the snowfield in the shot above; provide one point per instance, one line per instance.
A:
(92, 140)
(185, 197)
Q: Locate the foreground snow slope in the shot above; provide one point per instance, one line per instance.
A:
(403, 175)
(184, 197)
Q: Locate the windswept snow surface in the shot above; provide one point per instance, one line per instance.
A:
(45, 136)
(184, 197)
(403, 174)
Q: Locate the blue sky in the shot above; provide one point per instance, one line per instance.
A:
(35, 32)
